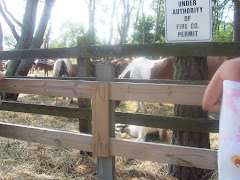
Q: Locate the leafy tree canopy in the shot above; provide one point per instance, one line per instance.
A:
(68, 35)
(224, 34)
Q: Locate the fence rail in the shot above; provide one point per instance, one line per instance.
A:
(162, 91)
(163, 49)
(168, 122)
(185, 156)
(157, 93)
(178, 155)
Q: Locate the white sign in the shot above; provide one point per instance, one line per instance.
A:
(188, 21)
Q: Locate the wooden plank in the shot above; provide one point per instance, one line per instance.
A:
(100, 119)
(155, 81)
(161, 93)
(164, 81)
(161, 49)
(67, 88)
(69, 112)
(178, 155)
(106, 165)
(169, 122)
(83, 67)
(57, 138)
(174, 123)
(54, 78)
(163, 153)
(54, 53)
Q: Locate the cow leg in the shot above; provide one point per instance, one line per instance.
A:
(138, 107)
(70, 100)
(56, 100)
(163, 134)
(144, 107)
(141, 135)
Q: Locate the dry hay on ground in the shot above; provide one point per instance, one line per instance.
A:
(27, 160)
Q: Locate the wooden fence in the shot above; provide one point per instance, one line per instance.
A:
(102, 142)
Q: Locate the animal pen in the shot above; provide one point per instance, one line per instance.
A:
(103, 91)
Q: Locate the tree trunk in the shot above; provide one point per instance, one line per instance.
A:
(91, 29)
(157, 21)
(37, 41)
(143, 17)
(26, 41)
(236, 25)
(46, 42)
(83, 69)
(123, 27)
(111, 23)
(135, 26)
(190, 68)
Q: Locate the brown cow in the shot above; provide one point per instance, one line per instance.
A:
(164, 70)
(142, 68)
(92, 68)
(214, 62)
(159, 69)
(46, 67)
(63, 68)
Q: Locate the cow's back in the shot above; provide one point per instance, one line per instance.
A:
(163, 70)
(214, 62)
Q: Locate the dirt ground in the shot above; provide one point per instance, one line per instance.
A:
(27, 160)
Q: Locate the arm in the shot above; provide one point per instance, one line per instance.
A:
(212, 96)
(229, 70)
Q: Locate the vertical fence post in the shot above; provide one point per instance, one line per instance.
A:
(83, 65)
(103, 124)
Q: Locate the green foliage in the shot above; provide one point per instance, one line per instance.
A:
(224, 34)
(149, 30)
(150, 23)
(9, 42)
(68, 35)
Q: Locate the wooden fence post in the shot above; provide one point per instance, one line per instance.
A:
(103, 116)
(83, 65)
(1, 65)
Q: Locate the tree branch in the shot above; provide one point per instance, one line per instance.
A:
(10, 14)
(46, 14)
(10, 24)
(37, 41)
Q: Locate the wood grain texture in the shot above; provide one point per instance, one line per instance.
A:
(155, 93)
(66, 88)
(100, 119)
(57, 138)
(163, 153)
(160, 93)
